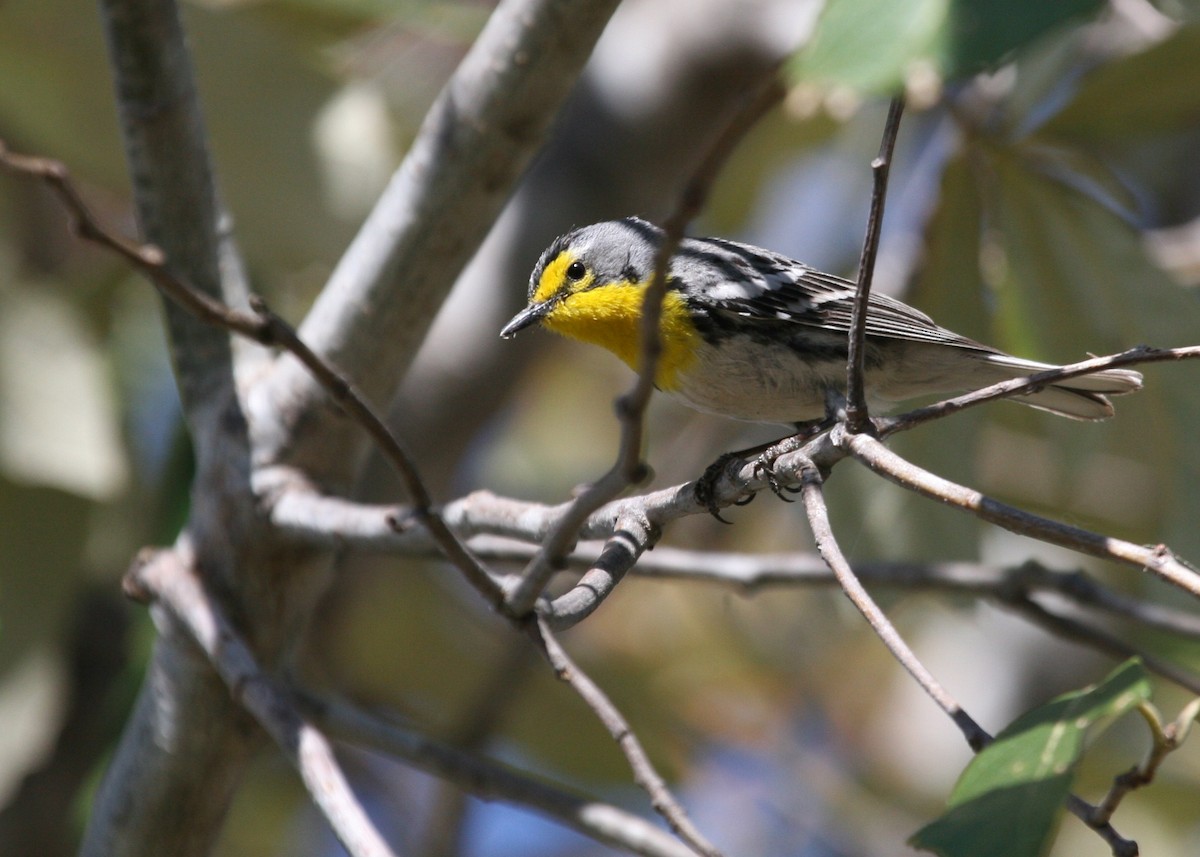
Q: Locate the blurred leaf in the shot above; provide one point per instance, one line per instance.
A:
(870, 44)
(1074, 278)
(874, 44)
(59, 422)
(56, 81)
(1144, 94)
(1007, 800)
(42, 533)
(454, 21)
(949, 287)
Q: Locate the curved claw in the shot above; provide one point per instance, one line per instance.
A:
(763, 465)
(706, 485)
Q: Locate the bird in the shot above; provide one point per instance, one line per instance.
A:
(754, 335)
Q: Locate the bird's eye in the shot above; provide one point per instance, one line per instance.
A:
(576, 271)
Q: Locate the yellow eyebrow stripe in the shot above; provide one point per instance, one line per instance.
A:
(554, 279)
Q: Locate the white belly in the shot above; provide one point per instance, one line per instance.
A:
(748, 380)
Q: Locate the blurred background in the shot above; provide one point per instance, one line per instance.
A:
(1049, 208)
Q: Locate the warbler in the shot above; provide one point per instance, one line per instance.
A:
(755, 335)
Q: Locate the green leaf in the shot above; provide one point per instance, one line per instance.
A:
(870, 44)
(873, 45)
(1026, 773)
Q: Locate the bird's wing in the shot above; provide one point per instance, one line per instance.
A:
(759, 285)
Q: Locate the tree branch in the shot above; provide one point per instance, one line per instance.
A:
(1018, 386)
(185, 744)
(166, 579)
(1158, 560)
(856, 398)
(494, 781)
(644, 774)
(831, 552)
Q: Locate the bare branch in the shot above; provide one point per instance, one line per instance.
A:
(266, 328)
(629, 468)
(856, 399)
(644, 774)
(494, 781)
(1018, 386)
(831, 552)
(329, 522)
(174, 186)
(166, 579)
(1159, 560)
(1166, 738)
(1075, 629)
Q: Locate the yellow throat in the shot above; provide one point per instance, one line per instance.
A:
(609, 316)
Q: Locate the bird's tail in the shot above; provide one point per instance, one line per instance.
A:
(1082, 398)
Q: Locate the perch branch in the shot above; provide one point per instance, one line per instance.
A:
(856, 398)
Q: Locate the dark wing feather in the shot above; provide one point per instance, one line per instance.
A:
(774, 288)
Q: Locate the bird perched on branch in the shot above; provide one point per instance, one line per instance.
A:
(754, 335)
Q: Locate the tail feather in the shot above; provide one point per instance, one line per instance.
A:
(1082, 398)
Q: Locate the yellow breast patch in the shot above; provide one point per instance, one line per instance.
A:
(609, 316)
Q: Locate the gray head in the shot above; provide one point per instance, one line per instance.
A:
(600, 254)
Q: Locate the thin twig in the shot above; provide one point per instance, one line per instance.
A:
(1074, 629)
(1118, 844)
(491, 780)
(856, 399)
(266, 328)
(628, 467)
(977, 737)
(146, 258)
(166, 579)
(644, 774)
(818, 518)
(1019, 386)
(1158, 559)
(1165, 739)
